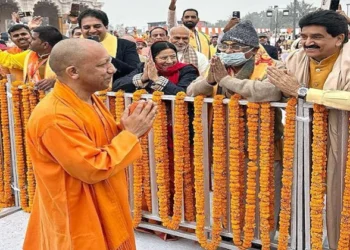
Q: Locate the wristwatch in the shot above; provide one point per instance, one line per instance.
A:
(302, 92)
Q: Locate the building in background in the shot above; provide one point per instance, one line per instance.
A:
(54, 12)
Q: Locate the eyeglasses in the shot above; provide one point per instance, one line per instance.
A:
(235, 47)
(165, 58)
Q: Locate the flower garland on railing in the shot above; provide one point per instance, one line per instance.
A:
(7, 197)
(146, 175)
(20, 151)
(42, 94)
(119, 105)
(287, 179)
(223, 162)
(30, 171)
(236, 149)
(242, 161)
(111, 102)
(272, 171)
(162, 179)
(265, 173)
(102, 95)
(253, 124)
(188, 171)
(218, 166)
(33, 98)
(139, 167)
(344, 238)
(318, 177)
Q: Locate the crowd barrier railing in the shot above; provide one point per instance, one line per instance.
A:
(300, 222)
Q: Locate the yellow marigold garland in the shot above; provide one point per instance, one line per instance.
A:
(188, 172)
(265, 174)
(235, 123)
(7, 196)
(287, 179)
(30, 172)
(253, 123)
(102, 95)
(119, 105)
(218, 166)
(318, 176)
(242, 161)
(20, 151)
(344, 238)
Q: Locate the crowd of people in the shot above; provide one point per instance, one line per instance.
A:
(79, 153)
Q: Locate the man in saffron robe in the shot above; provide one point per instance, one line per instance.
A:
(80, 156)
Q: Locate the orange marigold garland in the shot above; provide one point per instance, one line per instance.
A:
(218, 166)
(253, 123)
(139, 168)
(272, 171)
(318, 176)
(119, 105)
(20, 151)
(344, 238)
(265, 173)
(162, 182)
(287, 179)
(188, 172)
(30, 172)
(42, 94)
(146, 175)
(236, 164)
(102, 95)
(7, 196)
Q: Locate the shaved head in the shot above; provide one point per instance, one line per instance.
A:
(179, 29)
(72, 52)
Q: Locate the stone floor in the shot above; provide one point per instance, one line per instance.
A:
(13, 227)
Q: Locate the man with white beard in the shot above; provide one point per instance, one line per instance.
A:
(180, 37)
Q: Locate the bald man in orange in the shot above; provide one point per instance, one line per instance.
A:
(80, 156)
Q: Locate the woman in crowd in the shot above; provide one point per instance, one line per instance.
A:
(163, 73)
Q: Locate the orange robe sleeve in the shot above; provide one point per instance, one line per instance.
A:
(79, 157)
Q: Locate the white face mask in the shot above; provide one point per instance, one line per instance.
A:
(234, 59)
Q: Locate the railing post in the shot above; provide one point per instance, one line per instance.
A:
(12, 142)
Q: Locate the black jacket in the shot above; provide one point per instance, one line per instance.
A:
(187, 75)
(272, 51)
(126, 59)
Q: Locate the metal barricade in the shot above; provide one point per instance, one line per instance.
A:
(296, 231)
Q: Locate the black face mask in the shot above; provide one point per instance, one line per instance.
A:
(190, 24)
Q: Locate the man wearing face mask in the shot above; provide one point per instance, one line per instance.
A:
(180, 37)
(198, 40)
(322, 64)
(240, 68)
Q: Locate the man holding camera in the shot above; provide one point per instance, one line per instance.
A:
(93, 24)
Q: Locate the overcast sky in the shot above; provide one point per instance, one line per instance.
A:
(139, 12)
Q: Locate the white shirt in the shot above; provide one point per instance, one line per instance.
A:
(203, 62)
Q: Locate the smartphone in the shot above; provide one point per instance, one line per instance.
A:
(95, 38)
(334, 5)
(330, 4)
(24, 14)
(75, 9)
(236, 14)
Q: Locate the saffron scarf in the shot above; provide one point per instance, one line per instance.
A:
(110, 43)
(34, 66)
(172, 73)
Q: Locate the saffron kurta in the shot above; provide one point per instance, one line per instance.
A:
(79, 157)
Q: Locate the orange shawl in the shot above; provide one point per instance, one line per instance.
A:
(79, 158)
